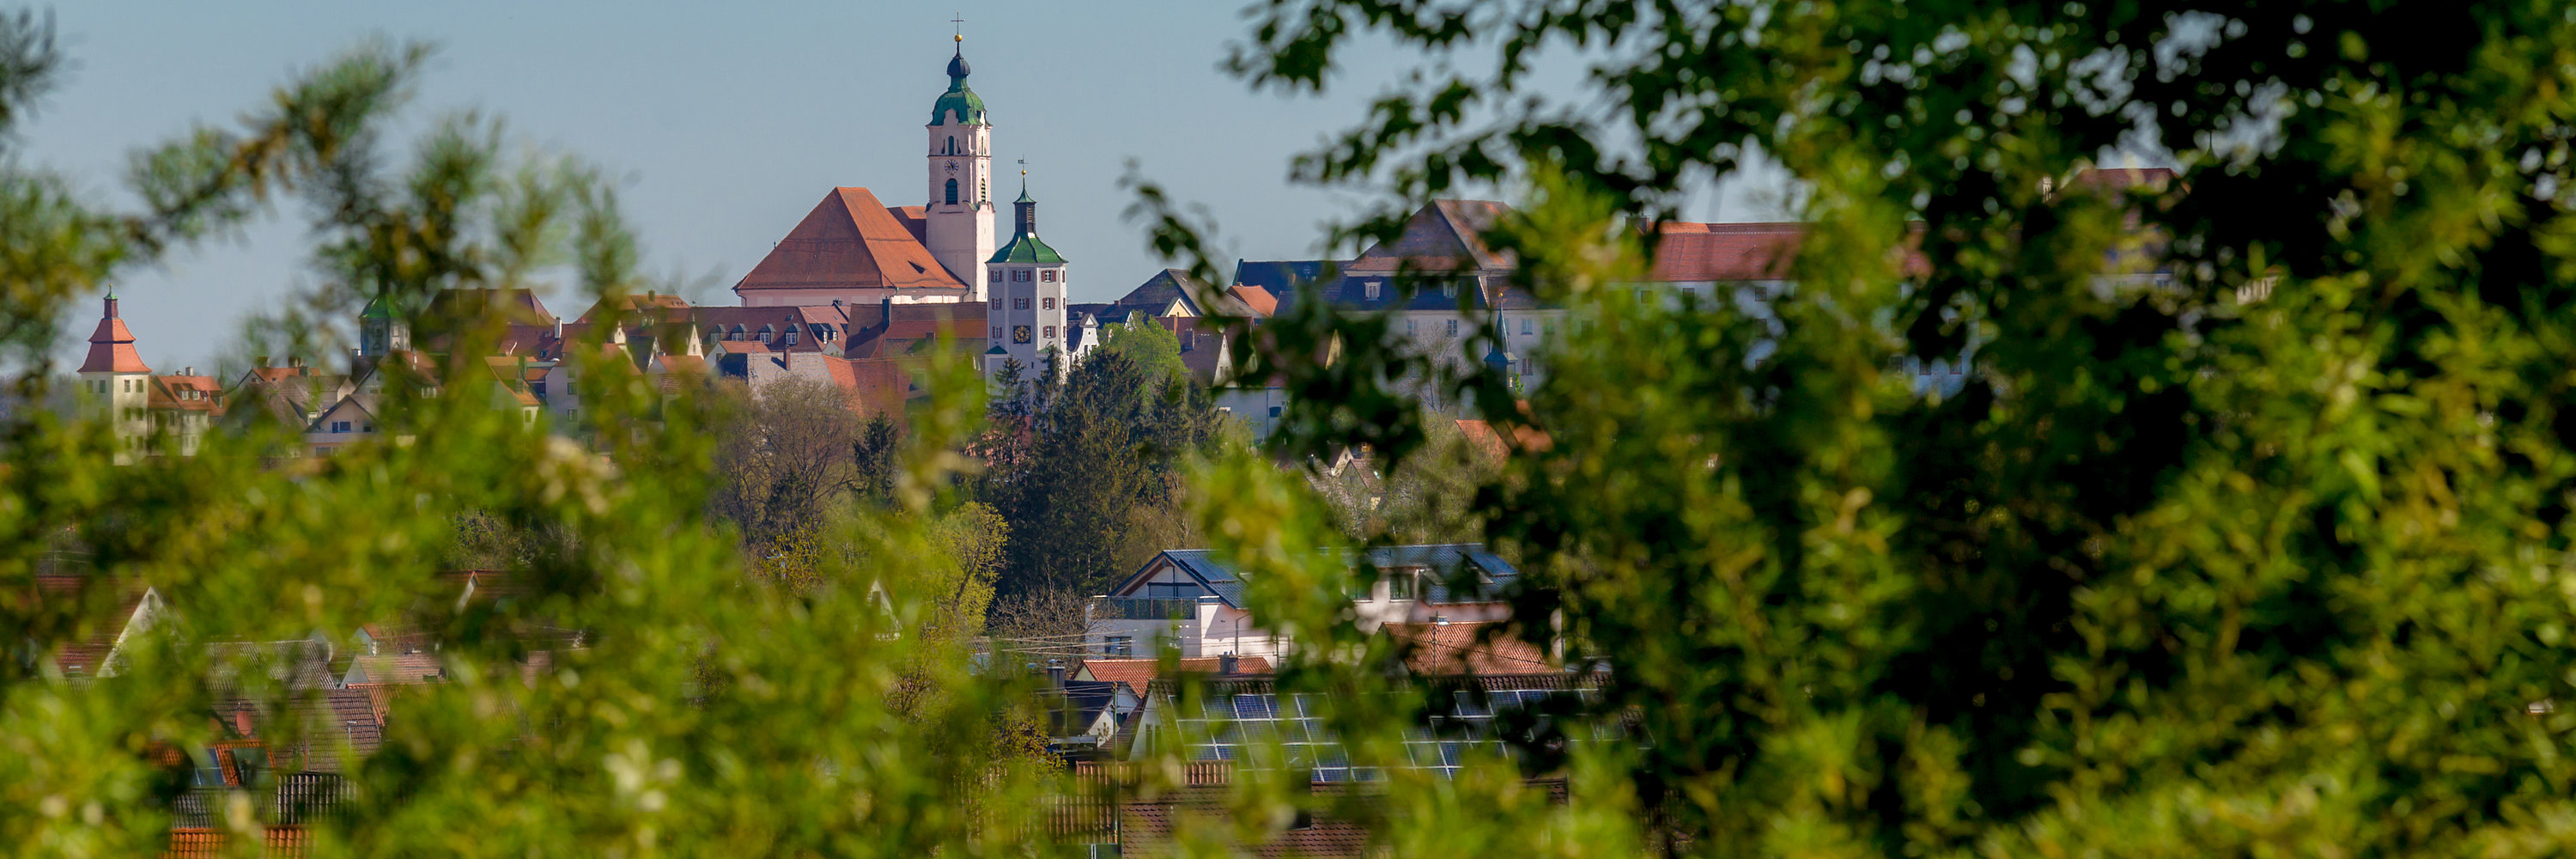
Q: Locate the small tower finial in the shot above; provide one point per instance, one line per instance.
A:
(960, 21)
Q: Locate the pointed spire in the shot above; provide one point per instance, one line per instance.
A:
(111, 346)
(1027, 207)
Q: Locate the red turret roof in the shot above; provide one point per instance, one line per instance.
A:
(111, 347)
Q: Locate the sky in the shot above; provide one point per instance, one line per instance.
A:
(728, 122)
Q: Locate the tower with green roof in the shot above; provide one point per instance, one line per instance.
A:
(1026, 309)
(959, 213)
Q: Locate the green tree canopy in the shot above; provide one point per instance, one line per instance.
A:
(2247, 532)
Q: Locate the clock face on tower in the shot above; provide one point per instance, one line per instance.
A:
(952, 167)
(1019, 334)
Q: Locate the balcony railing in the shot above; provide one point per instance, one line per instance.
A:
(1144, 608)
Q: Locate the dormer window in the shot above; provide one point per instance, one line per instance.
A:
(792, 331)
(1371, 290)
(766, 332)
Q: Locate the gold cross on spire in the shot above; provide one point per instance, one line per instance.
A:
(960, 21)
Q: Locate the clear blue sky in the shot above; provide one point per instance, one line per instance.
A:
(731, 120)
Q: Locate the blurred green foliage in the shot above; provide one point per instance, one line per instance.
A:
(2246, 534)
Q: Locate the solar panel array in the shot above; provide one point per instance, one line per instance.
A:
(1223, 727)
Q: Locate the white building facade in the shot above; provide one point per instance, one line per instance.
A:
(960, 208)
(1025, 300)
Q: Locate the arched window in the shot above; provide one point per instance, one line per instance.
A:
(952, 192)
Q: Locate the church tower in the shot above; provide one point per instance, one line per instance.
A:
(116, 385)
(960, 213)
(1027, 309)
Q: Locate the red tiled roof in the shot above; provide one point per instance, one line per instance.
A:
(1482, 436)
(914, 221)
(111, 347)
(197, 842)
(173, 392)
(1468, 648)
(874, 385)
(1689, 252)
(1137, 672)
(849, 240)
(1262, 303)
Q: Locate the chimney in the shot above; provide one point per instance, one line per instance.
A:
(1228, 664)
(189, 370)
(261, 362)
(1055, 673)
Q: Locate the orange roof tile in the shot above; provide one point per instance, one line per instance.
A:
(849, 240)
(111, 347)
(1468, 648)
(1137, 672)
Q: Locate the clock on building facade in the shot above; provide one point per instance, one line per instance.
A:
(1019, 334)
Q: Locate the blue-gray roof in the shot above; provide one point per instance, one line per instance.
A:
(1492, 572)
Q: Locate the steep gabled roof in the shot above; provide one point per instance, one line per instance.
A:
(111, 347)
(1447, 235)
(849, 241)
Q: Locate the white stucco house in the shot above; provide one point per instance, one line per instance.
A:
(1193, 601)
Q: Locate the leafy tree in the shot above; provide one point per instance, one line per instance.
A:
(1147, 344)
(1087, 482)
(2247, 535)
(790, 453)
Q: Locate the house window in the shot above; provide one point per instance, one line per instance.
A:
(1171, 590)
(1046, 303)
(1019, 304)
(367, 428)
(1118, 646)
(997, 330)
(1021, 275)
(1525, 325)
(1274, 411)
(1400, 584)
(1449, 290)
(1047, 276)
(997, 300)
(952, 192)
(997, 276)
(791, 334)
(1641, 295)
(1370, 289)
(1410, 326)
(1453, 328)
(1050, 332)
(339, 426)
